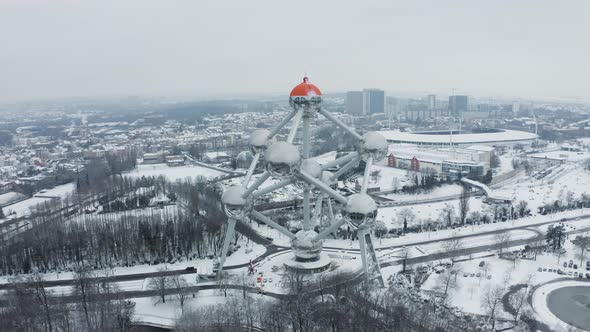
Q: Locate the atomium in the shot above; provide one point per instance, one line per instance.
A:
(284, 162)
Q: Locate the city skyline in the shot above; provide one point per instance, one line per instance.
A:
(216, 50)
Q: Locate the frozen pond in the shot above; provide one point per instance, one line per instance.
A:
(571, 305)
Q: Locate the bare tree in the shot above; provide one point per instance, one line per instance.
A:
(447, 281)
(42, 296)
(522, 208)
(502, 240)
(464, 204)
(406, 216)
(447, 215)
(453, 247)
(85, 289)
(160, 284)
(492, 298)
(180, 289)
(583, 243)
(517, 302)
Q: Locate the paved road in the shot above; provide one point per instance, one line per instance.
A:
(273, 249)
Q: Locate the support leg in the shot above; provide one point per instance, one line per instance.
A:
(229, 235)
(369, 257)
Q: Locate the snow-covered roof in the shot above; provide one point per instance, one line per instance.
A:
(467, 138)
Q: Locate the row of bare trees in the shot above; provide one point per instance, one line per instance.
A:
(30, 306)
(340, 306)
(191, 229)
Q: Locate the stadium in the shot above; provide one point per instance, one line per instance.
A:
(490, 137)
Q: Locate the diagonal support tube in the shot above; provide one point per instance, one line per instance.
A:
(340, 124)
(330, 229)
(269, 222)
(251, 170)
(256, 184)
(340, 161)
(271, 188)
(323, 187)
(345, 168)
(294, 127)
(282, 124)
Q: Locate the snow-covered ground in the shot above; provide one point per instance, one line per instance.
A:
(173, 173)
(243, 255)
(151, 311)
(539, 192)
(470, 289)
(423, 212)
(24, 207)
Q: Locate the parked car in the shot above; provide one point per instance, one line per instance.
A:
(540, 269)
(482, 263)
(569, 273)
(544, 269)
(576, 274)
(576, 266)
(564, 264)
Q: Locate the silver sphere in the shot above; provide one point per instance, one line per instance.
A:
(282, 160)
(305, 247)
(234, 204)
(373, 145)
(259, 140)
(360, 211)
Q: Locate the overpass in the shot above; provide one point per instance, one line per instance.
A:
(492, 197)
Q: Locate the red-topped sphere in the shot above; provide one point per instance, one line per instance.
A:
(306, 96)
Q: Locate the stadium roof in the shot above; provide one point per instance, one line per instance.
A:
(498, 136)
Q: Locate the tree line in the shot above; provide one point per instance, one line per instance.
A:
(191, 229)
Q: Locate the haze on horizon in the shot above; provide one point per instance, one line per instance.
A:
(67, 48)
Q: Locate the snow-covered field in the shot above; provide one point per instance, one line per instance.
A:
(24, 207)
(539, 192)
(423, 212)
(173, 173)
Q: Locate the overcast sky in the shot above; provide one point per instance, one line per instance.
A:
(64, 48)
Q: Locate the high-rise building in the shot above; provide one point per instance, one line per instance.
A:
(515, 107)
(431, 102)
(373, 101)
(458, 105)
(354, 102)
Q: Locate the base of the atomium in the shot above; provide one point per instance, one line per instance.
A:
(320, 265)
